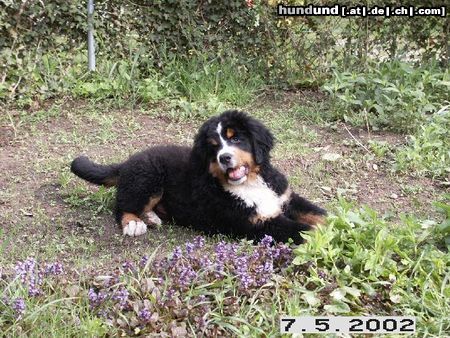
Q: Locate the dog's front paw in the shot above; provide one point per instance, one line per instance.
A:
(135, 228)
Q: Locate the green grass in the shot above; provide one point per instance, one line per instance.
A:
(196, 79)
(99, 201)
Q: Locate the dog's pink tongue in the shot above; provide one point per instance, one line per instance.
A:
(237, 174)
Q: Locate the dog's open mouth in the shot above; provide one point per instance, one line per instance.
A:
(236, 174)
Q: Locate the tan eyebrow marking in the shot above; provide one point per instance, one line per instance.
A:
(230, 133)
(212, 141)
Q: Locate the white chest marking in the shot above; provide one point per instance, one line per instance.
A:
(257, 194)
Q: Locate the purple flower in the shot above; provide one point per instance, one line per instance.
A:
(219, 270)
(264, 272)
(256, 255)
(145, 315)
(268, 267)
(205, 262)
(176, 255)
(128, 266)
(225, 252)
(201, 322)
(103, 313)
(282, 255)
(121, 295)
(187, 275)
(246, 280)
(241, 268)
(143, 261)
(322, 274)
(170, 293)
(30, 276)
(221, 250)
(54, 269)
(266, 241)
(96, 298)
(199, 242)
(19, 306)
(190, 248)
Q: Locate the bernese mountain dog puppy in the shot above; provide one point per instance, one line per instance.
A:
(223, 184)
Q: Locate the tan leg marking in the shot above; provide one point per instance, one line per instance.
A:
(128, 217)
(152, 202)
(152, 217)
(311, 219)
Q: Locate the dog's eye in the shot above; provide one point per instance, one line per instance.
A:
(235, 139)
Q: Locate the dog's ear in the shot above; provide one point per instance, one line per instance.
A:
(199, 155)
(262, 140)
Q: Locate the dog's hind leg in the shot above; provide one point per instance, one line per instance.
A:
(139, 189)
(303, 211)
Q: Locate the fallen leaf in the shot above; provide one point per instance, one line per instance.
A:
(332, 157)
(73, 290)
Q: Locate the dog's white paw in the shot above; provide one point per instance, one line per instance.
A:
(153, 218)
(134, 228)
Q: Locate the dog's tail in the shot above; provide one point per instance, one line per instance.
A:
(106, 175)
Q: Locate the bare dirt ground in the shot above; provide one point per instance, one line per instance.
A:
(45, 211)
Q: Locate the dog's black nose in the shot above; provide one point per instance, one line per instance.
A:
(225, 158)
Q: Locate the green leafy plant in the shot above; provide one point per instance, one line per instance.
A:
(391, 95)
(360, 263)
(444, 227)
(428, 150)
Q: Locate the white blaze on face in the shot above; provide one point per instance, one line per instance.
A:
(224, 150)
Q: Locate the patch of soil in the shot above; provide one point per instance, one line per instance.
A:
(49, 193)
(6, 135)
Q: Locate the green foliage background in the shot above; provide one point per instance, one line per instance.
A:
(285, 51)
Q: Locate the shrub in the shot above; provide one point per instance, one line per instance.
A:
(392, 95)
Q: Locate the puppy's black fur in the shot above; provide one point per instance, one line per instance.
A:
(194, 189)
